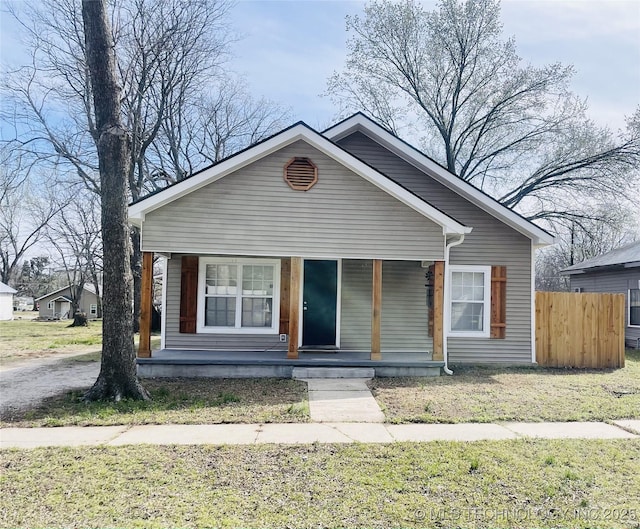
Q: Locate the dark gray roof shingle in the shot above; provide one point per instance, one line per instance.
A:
(620, 256)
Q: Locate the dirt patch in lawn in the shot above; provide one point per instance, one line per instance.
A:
(179, 401)
(489, 394)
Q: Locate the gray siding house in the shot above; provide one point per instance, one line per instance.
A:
(346, 241)
(617, 272)
(57, 305)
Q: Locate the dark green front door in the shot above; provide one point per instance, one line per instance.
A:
(319, 302)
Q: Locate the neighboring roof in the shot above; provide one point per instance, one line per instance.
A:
(299, 131)
(63, 298)
(6, 289)
(625, 257)
(88, 288)
(362, 123)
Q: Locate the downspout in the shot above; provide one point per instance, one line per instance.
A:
(446, 316)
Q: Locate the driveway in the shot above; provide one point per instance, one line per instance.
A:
(27, 385)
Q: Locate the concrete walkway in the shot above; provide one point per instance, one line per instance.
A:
(303, 433)
(339, 400)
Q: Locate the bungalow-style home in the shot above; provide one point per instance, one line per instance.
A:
(346, 247)
(617, 271)
(57, 305)
(6, 302)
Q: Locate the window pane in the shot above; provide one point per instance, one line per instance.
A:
(257, 280)
(467, 286)
(478, 293)
(256, 312)
(456, 292)
(220, 312)
(634, 306)
(221, 279)
(467, 316)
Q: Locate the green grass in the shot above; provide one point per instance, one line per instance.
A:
(490, 394)
(28, 339)
(24, 340)
(519, 484)
(179, 401)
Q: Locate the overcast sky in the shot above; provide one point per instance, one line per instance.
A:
(291, 47)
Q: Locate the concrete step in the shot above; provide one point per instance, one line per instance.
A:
(333, 372)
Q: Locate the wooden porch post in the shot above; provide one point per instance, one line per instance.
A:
(438, 308)
(146, 301)
(376, 310)
(294, 307)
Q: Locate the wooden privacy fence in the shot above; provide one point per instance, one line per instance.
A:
(580, 330)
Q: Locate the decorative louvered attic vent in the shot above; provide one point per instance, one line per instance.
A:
(301, 174)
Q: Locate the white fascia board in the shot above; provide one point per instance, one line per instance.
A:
(298, 132)
(360, 123)
(207, 176)
(85, 287)
(449, 225)
(63, 298)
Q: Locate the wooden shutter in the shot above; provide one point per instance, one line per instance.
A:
(301, 174)
(498, 301)
(189, 294)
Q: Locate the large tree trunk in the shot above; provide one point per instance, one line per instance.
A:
(117, 378)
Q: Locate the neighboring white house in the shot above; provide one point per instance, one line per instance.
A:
(6, 302)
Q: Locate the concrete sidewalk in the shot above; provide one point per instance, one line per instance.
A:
(337, 400)
(301, 433)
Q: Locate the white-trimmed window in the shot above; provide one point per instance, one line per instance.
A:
(93, 309)
(238, 295)
(634, 307)
(50, 305)
(470, 300)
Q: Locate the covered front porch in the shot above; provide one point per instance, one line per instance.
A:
(245, 364)
(380, 346)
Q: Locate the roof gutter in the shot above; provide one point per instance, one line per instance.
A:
(447, 306)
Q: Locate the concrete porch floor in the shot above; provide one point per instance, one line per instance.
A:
(255, 364)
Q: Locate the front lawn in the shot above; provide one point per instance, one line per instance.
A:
(28, 339)
(517, 484)
(179, 401)
(490, 394)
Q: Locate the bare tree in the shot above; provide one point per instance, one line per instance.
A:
(35, 277)
(205, 131)
(169, 59)
(75, 234)
(516, 131)
(26, 206)
(117, 378)
(584, 239)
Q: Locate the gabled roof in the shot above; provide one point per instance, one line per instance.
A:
(625, 257)
(88, 288)
(6, 289)
(298, 131)
(63, 298)
(361, 123)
